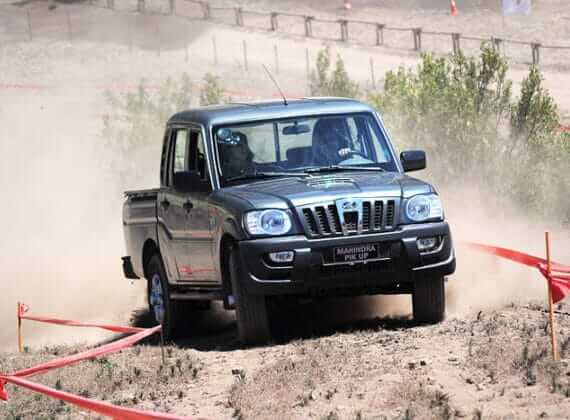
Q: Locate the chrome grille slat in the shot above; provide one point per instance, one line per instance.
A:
(323, 219)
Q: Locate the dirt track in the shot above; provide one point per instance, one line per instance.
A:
(62, 246)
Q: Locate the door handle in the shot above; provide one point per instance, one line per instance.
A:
(188, 206)
(165, 204)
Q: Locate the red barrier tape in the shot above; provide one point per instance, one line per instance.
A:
(82, 324)
(559, 283)
(116, 412)
(100, 407)
(109, 348)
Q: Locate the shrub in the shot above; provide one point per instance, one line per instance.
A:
(134, 127)
(212, 93)
(325, 81)
(461, 111)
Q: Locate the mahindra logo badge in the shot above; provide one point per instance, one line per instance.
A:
(349, 206)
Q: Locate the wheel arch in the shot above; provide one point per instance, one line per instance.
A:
(150, 248)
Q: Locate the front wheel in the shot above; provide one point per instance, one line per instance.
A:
(251, 310)
(162, 308)
(428, 300)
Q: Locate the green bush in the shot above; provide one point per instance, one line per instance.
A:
(212, 92)
(325, 81)
(461, 111)
(134, 127)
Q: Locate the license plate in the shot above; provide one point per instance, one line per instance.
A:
(356, 253)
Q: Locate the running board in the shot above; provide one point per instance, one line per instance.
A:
(217, 294)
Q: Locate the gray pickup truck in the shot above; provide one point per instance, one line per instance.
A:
(271, 201)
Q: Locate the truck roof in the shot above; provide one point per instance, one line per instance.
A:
(265, 110)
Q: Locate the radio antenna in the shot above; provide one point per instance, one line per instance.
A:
(276, 85)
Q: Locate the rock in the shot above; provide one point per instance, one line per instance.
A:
(480, 387)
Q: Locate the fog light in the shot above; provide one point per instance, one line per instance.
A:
(427, 244)
(282, 257)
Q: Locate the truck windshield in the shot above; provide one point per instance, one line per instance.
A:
(303, 144)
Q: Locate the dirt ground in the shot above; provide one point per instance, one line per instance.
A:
(360, 358)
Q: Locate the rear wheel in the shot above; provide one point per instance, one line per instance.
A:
(162, 308)
(251, 310)
(428, 300)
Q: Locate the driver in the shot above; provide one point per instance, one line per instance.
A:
(331, 141)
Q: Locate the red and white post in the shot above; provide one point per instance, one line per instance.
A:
(553, 339)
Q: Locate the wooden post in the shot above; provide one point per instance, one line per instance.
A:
(158, 38)
(206, 10)
(172, 4)
(130, 35)
(110, 4)
(276, 53)
(274, 21)
(455, 39)
(535, 46)
(550, 302)
(496, 42)
(140, 6)
(308, 26)
(69, 31)
(239, 16)
(245, 61)
(380, 34)
(372, 76)
(20, 338)
(307, 64)
(343, 30)
(215, 50)
(417, 34)
(30, 34)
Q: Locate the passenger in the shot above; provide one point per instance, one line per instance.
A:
(237, 159)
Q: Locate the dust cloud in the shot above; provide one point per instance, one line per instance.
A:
(62, 234)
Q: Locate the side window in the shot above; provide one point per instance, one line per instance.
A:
(180, 150)
(198, 155)
(164, 159)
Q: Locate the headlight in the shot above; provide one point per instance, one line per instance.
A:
(424, 207)
(268, 222)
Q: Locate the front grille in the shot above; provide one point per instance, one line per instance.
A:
(323, 220)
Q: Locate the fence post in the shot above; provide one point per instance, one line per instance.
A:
(215, 50)
(110, 4)
(455, 39)
(276, 53)
(206, 10)
(239, 16)
(496, 43)
(372, 76)
(343, 30)
(535, 46)
(69, 31)
(140, 6)
(172, 4)
(417, 33)
(245, 62)
(274, 21)
(309, 26)
(307, 64)
(30, 34)
(380, 33)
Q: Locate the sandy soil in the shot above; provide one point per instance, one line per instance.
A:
(63, 240)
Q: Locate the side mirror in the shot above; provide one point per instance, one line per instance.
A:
(413, 160)
(189, 181)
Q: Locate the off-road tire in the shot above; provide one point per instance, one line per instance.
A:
(169, 323)
(251, 310)
(428, 300)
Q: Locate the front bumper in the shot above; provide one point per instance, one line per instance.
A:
(312, 272)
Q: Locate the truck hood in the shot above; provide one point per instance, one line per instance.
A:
(288, 192)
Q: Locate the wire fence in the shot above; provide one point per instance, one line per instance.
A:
(69, 24)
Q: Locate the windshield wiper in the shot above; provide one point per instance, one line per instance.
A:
(262, 175)
(339, 168)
